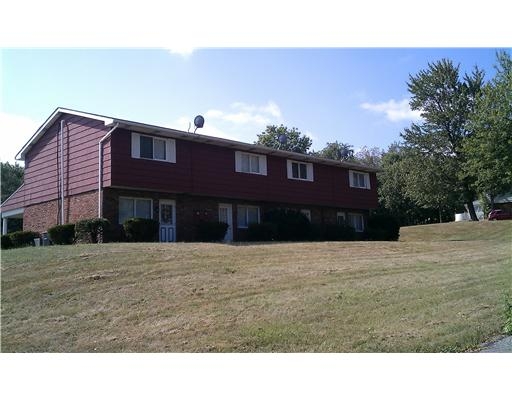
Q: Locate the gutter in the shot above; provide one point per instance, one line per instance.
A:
(100, 167)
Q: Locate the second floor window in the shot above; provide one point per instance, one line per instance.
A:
(153, 148)
(359, 179)
(250, 163)
(300, 170)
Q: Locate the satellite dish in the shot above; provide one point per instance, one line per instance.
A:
(282, 139)
(198, 122)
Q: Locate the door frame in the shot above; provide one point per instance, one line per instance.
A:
(230, 230)
(173, 226)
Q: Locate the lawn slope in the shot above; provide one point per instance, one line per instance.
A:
(441, 288)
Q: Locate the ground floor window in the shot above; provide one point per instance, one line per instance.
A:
(247, 215)
(356, 221)
(340, 218)
(134, 208)
(307, 213)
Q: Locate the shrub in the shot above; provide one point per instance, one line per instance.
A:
(23, 238)
(333, 232)
(62, 234)
(290, 224)
(507, 327)
(92, 230)
(6, 242)
(382, 227)
(141, 230)
(264, 232)
(211, 231)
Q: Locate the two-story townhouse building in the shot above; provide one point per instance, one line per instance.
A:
(82, 165)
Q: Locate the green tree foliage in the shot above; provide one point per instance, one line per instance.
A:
(336, 151)
(12, 178)
(371, 156)
(446, 102)
(488, 153)
(295, 140)
(398, 173)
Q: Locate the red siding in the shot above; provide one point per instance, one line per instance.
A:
(80, 154)
(209, 170)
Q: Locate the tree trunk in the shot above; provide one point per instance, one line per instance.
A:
(440, 216)
(472, 212)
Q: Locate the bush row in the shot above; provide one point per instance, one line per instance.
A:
(291, 225)
(18, 239)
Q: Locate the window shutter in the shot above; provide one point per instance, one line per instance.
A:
(289, 168)
(135, 145)
(310, 172)
(170, 150)
(238, 161)
(263, 164)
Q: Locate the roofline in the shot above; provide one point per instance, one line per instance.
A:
(12, 194)
(20, 156)
(195, 137)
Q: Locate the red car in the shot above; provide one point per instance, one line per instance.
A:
(499, 214)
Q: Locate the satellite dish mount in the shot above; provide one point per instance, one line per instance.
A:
(198, 122)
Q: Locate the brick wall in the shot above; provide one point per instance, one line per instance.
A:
(190, 210)
(40, 217)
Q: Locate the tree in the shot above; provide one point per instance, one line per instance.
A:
(370, 156)
(295, 140)
(394, 182)
(12, 178)
(336, 151)
(488, 153)
(446, 103)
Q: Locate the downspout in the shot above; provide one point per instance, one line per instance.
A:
(62, 171)
(100, 167)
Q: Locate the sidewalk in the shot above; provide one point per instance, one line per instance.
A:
(503, 345)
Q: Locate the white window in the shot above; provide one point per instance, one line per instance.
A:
(340, 218)
(250, 163)
(135, 208)
(356, 221)
(307, 213)
(300, 170)
(247, 215)
(153, 148)
(359, 179)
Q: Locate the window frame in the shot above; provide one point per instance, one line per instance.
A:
(169, 150)
(358, 215)
(341, 214)
(309, 170)
(307, 213)
(134, 199)
(354, 183)
(262, 163)
(238, 207)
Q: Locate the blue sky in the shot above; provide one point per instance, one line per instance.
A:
(357, 96)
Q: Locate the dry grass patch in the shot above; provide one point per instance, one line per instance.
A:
(300, 297)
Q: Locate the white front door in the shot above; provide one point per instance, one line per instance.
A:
(167, 221)
(226, 215)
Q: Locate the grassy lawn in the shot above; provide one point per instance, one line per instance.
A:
(440, 288)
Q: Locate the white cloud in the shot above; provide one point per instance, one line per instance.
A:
(241, 121)
(184, 51)
(182, 123)
(394, 110)
(248, 114)
(15, 131)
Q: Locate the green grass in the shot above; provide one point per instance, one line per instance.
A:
(440, 288)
